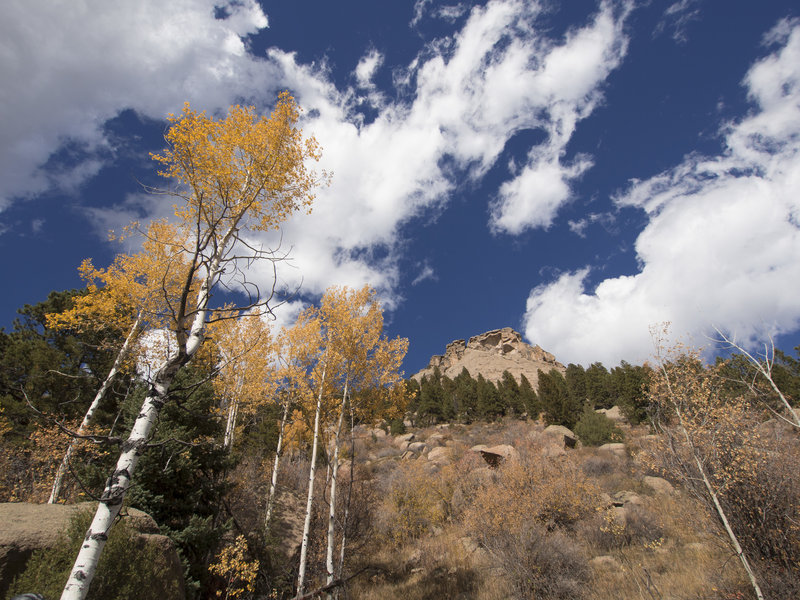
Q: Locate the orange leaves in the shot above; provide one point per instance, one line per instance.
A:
(242, 165)
(146, 284)
(246, 353)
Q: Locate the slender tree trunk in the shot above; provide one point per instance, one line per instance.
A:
(332, 506)
(87, 418)
(301, 575)
(85, 567)
(273, 486)
(340, 568)
(117, 485)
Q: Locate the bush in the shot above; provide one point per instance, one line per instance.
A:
(541, 564)
(595, 429)
(127, 571)
(413, 502)
(397, 427)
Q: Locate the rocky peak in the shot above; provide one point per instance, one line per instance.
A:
(491, 353)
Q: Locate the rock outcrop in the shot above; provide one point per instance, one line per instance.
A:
(491, 353)
(28, 527)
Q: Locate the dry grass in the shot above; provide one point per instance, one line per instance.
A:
(433, 532)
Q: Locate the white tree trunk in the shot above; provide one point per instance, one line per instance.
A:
(301, 575)
(87, 418)
(340, 568)
(273, 486)
(117, 486)
(85, 567)
(332, 506)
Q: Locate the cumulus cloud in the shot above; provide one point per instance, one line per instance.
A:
(469, 94)
(722, 244)
(68, 68)
(568, 81)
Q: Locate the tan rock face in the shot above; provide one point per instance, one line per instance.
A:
(25, 528)
(491, 353)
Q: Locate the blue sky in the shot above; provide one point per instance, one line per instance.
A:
(576, 170)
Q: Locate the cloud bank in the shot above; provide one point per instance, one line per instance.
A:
(68, 69)
(722, 244)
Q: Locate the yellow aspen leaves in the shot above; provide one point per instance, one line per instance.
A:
(243, 163)
(238, 572)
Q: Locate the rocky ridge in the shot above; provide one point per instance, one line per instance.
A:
(491, 353)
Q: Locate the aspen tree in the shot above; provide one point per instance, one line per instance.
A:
(367, 359)
(295, 353)
(131, 295)
(764, 368)
(327, 359)
(706, 441)
(234, 174)
(245, 376)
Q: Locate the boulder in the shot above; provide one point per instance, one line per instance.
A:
(617, 449)
(496, 455)
(658, 484)
(613, 413)
(29, 527)
(562, 434)
(626, 497)
(439, 456)
(417, 447)
(402, 441)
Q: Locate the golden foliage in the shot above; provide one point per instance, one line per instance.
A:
(552, 493)
(242, 164)
(146, 284)
(239, 573)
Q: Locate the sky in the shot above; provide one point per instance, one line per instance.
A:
(580, 171)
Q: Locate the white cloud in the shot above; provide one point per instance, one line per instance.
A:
(470, 94)
(426, 272)
(68, 67)
(366, 68)
(568, 83)
(722, 245)
(677, 18)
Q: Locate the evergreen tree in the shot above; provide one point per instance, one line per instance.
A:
(430, 409)
(597, 386)
(529, 398)
(182, 476)
(576, 380)
(559, 408)
(450, 401)
(510, 395)
(466, 392)
(490, 406)
(628, 384)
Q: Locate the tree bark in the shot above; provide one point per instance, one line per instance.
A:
(273, 486)
(85, 566)
(332, 506)
(340, 568)
(301, 575)
(87, 418)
